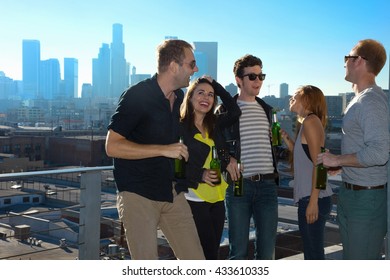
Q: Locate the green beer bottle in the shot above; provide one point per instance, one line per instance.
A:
(239, 184)
(215, 164)
(322, 174)
(275, 129)
(180, 165)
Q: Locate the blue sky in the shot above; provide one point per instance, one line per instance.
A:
(300, 42)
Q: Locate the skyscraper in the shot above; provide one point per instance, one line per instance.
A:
(118, 62)
(101, 73)
(31, 61)
(71, 77)
(283, 91)
(206, 55)
(49, 79)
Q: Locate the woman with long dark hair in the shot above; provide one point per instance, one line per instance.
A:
(201, 130)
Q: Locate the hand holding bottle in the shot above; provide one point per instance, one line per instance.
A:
(215, 165)
(180, 164)
(232, 168)
(275, 130)
(210, 177)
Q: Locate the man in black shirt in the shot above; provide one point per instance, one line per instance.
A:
(143, 140)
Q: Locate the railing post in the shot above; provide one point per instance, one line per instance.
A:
(387, 238)
(89, 221)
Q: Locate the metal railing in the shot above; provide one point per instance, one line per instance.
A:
(88, 201)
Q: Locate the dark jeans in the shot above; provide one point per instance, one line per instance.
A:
(313, 234)
(362, 218)
(209, 219)
(260, 202)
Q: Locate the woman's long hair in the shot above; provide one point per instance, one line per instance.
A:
(187, 114)
(313, 100)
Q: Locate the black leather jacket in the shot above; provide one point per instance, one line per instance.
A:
(232, 133)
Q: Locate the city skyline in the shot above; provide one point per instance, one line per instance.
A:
(299, 42)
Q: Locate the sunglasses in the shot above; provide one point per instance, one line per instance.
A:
(352, 56)
(253, 76)
(192, 64)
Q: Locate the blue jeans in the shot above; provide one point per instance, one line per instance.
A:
(313, 234)
(260, 202)
(362, 218)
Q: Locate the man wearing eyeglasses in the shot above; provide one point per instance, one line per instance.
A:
(143, 140)
(249, 141)
(362, 202)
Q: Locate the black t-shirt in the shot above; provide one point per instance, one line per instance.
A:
(143, 116)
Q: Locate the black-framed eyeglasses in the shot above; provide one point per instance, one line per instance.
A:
(192, 64)
(253, 76)
(352, 56)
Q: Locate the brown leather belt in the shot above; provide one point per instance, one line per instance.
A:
(262, 177)
(361, 188)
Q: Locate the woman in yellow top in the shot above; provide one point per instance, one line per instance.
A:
(201, 129)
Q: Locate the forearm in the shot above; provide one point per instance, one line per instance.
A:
(289, 142)
(348, 160)
(118, 146)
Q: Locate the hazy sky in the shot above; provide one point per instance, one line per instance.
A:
(299, 41)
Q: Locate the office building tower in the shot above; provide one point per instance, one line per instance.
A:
(86, 90)
(206, 55)
(71, 77)
(31, 59)
(101, 73)
(335, 105)
(283, 92)
(49, 79)
(8, 87)
(118, 62)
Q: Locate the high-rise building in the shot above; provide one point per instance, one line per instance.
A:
(118, 62)
(206, 55)
(49, 79)
(31, 61)
(7, 87)
(71, 77)
(101, 73)
(335, 105)
(86, 90)
(283, 92)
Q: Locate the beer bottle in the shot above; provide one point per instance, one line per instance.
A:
(238, 185)
(180, 165)
(321, 174)
(275, 129)
(215, 164)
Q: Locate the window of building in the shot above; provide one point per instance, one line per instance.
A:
(35, 199)
(16, 148)
(27, 148)
(7, 201)
(26, 199)
(6, 149)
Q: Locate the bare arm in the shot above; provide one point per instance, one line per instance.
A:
(287, 139)
(313, 132)
(118, 146)
(331, 160)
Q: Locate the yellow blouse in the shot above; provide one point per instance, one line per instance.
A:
(204, 191)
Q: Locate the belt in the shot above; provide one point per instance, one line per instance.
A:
(360, 188)
(262, 177)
